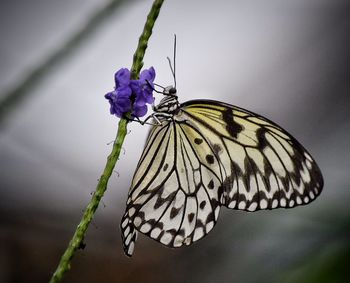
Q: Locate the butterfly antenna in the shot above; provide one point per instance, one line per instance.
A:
(174, 61)
(157, 91)
(162, 87)
(170, 65)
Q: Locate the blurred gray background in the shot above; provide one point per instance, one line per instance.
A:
(286, 60)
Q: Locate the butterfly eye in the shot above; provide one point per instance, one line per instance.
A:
(172, 91)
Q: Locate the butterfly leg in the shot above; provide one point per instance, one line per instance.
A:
(153, 116)
(137, 119)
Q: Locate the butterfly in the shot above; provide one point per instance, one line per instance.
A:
(202, 155)
(206, 154)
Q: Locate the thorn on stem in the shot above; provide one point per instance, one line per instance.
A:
(82, 245)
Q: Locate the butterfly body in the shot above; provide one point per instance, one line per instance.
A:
(206, 154)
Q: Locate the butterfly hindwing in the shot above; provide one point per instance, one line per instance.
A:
(174, 197)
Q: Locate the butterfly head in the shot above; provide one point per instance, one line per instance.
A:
(169, 103)
(170, 91)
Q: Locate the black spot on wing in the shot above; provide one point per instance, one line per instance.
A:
(174, 212)
(210, 217)
(232, 127)
(165, 166)
(217, 148)
(210, 158)
(202, 204)
(260, 133)
(198, 140)
(211, 184)
(190, 217)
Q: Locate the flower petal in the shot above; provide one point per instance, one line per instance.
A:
(122, 77)
(148, 74)
(139, 111)
(124, 91)
(140, 100)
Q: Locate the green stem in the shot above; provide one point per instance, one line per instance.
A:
(78, 237)
(137, 63)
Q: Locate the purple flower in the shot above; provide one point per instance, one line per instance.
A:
(138, 92)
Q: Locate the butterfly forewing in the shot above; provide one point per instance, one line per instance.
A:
(264, 166)
(174, 197)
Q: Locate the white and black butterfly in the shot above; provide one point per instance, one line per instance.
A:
(204, 154)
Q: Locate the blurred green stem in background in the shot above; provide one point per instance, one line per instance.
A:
(330, 265)
(11, 99)
(78, 237)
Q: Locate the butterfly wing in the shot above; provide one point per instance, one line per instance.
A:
(173, 197)
(263, 166)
